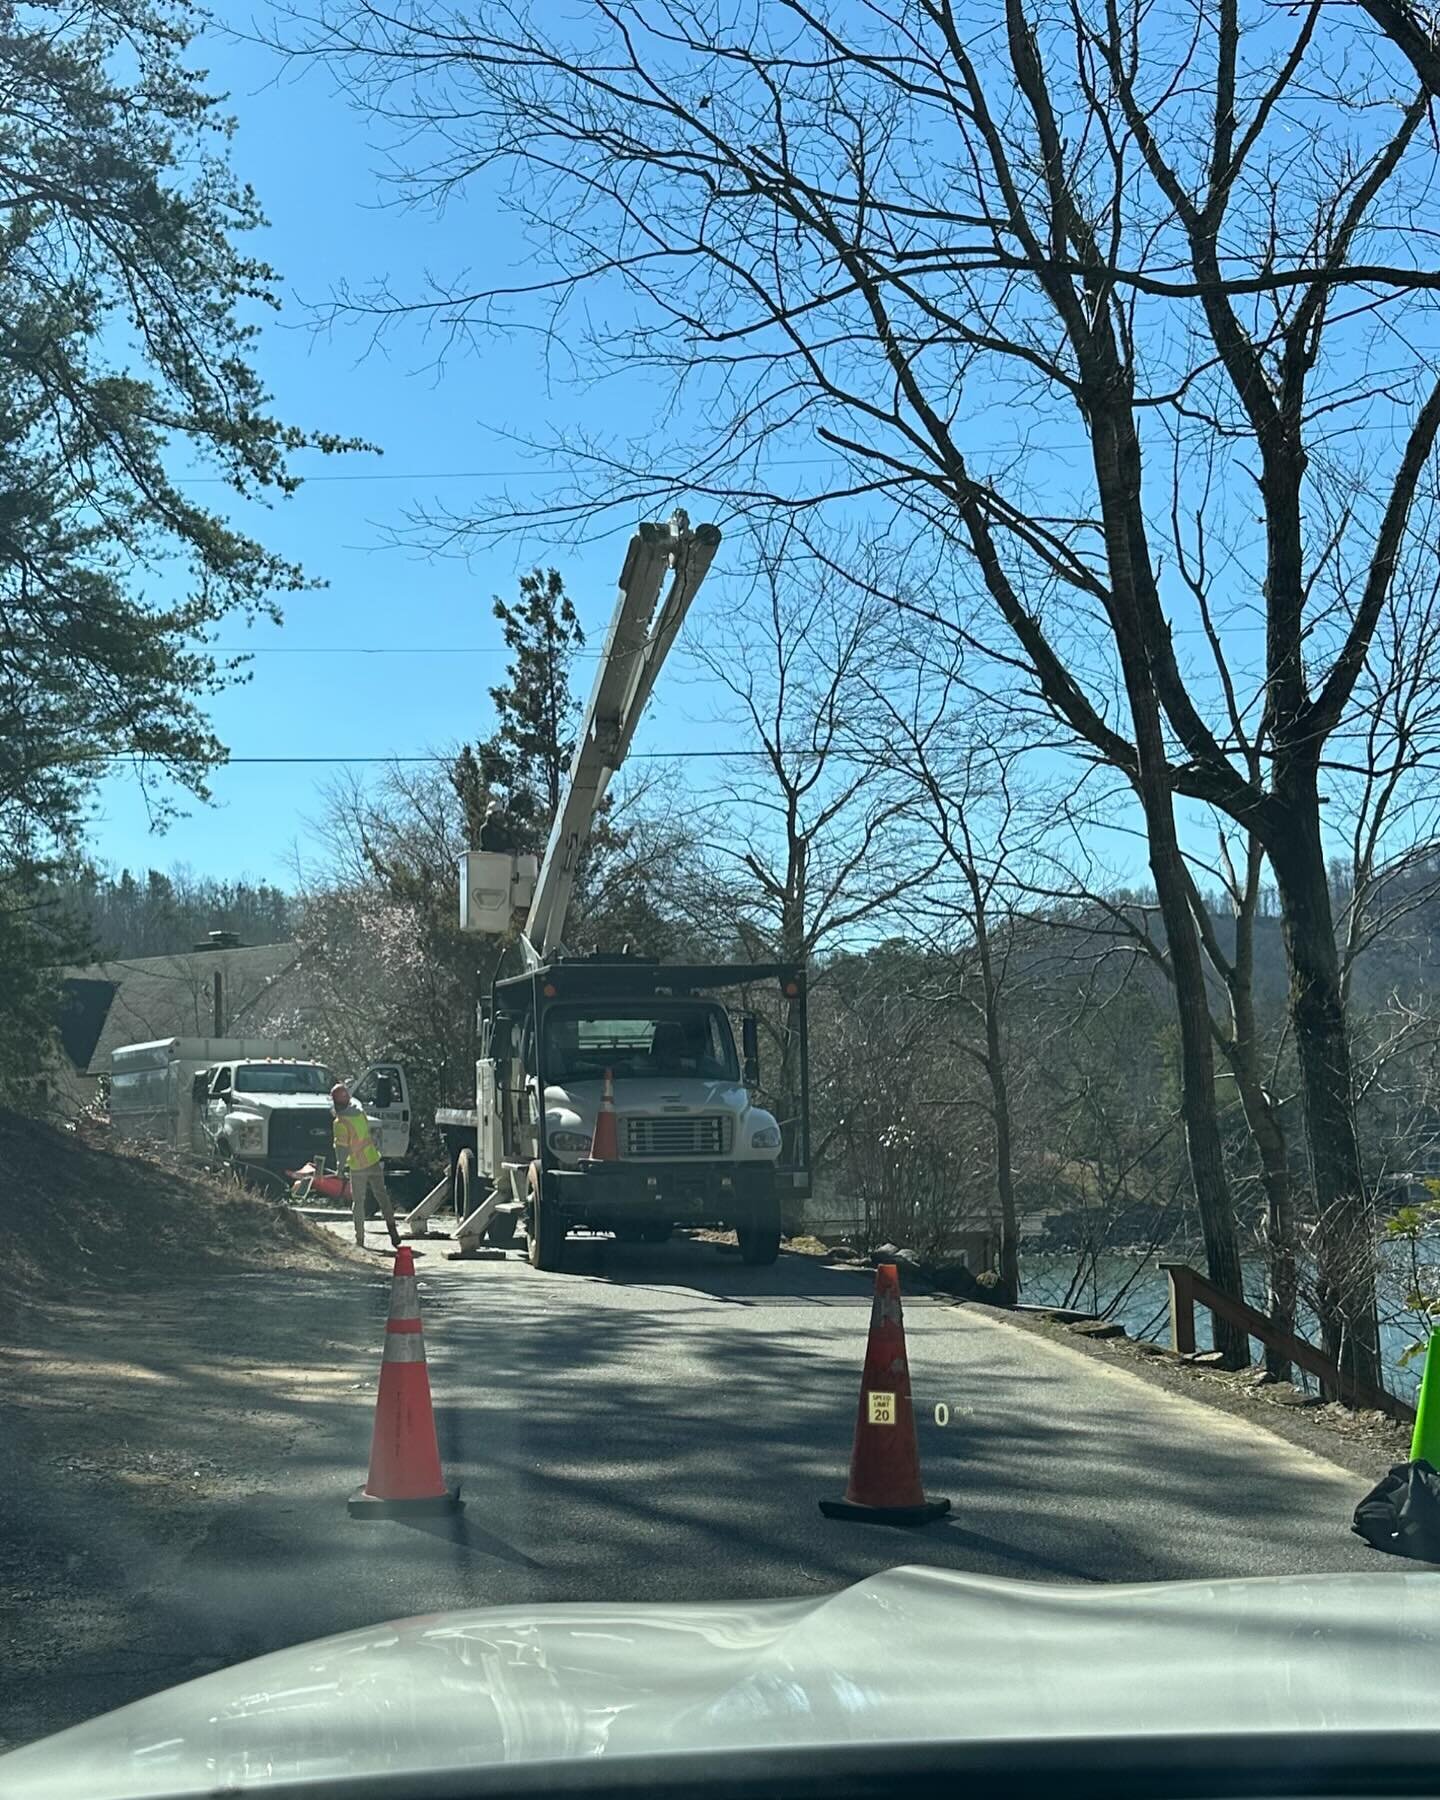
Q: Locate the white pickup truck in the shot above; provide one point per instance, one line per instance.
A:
(253, 1103)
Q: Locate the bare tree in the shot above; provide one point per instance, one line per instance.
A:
(805, 851)
(925, 723)
(867, 232)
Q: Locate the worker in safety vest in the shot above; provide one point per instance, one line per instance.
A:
(355, 1145)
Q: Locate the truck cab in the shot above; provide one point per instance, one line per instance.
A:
(275, 1114)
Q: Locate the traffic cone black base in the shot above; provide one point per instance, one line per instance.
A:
(361, 1505)
(885, 1515)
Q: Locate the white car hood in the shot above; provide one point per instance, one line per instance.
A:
(914, 1654)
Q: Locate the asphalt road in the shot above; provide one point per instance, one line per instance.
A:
(656, 1423)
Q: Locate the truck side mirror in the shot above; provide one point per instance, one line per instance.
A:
(199, 1086)
(750, 1042)
(384, 1093)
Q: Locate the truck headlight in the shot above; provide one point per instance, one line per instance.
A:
(245, 1131)
(766, 1138)
(570, 1143)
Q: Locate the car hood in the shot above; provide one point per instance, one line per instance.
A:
(914, 1654)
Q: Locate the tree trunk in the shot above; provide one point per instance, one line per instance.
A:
(1197, 1065)
(1117, 468)
(793, 948)
(1345, 1220)
(1281, 1278)
(1004, 1178)
(999, 1098)
(1266, 1131)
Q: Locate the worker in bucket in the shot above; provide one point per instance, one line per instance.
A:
(355, 1146)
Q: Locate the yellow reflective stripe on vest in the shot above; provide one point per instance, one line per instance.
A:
(352, 1134)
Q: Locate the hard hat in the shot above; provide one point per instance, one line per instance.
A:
(340, 1094)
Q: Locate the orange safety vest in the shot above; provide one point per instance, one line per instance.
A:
(353, 1138)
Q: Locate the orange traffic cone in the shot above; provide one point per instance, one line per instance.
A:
(604, 1146)
(405, 1476)
(885, 1462)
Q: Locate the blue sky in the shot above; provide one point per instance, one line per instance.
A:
(306, 153)
(396, 655)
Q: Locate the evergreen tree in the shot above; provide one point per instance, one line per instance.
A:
(126, 339)
(522, 765)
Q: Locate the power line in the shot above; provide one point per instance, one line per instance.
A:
(370, 650)
(390, 761)
(783, 462)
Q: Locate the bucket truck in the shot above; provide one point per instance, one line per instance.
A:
(610, 1094)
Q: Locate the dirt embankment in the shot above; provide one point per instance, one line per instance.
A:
(78, 1213)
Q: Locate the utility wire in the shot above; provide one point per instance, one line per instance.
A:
(372, 650)
(389, 761)
(532, 474)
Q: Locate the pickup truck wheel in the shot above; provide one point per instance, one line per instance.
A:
(545, 1227)
(759, 1244)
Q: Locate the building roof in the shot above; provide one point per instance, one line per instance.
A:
(134, 999)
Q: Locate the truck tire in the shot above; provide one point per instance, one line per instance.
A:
(545, 1227)
(226, 1166)
(760, 1240)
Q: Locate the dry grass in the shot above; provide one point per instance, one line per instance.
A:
(79, 1213)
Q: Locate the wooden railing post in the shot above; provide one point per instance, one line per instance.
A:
(1182, 1308)
(1189, 1288)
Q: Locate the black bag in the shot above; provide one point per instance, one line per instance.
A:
(1402, 1515)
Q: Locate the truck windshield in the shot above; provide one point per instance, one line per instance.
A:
(282, 1078)
(677, 1042)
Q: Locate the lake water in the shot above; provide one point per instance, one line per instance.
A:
(1144, 1309)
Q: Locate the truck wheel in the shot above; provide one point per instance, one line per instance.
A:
(466, 1184)
(759, 1244)
(545, 1227)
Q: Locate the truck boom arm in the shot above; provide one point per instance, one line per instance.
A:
(636, 646)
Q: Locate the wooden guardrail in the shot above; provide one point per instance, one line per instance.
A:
(1188, 1286)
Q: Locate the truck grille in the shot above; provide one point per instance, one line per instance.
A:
(678, 1137)
(297, 1136)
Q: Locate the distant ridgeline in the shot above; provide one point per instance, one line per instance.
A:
(161, 915)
